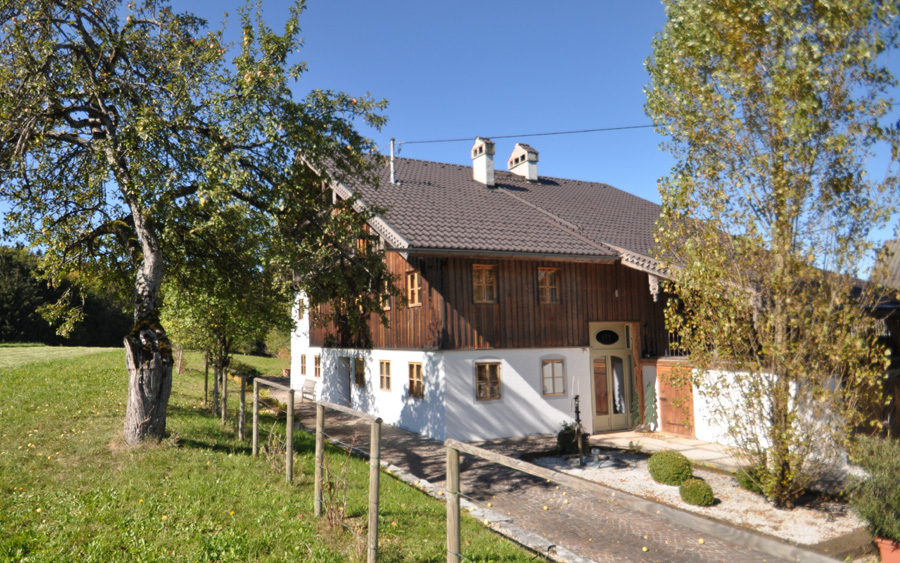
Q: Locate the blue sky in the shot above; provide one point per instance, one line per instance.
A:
(460, 69)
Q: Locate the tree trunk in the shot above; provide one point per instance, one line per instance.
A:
(149, 362)
(148, 354)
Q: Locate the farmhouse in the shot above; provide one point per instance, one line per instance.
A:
(524, 296)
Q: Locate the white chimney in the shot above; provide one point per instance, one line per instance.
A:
(523, 161)
(483, 161)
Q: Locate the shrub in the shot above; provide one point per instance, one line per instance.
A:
(669, 467)
(278, 341)
(696, 492)
(566, 441)
(877, 499)
(751, 479)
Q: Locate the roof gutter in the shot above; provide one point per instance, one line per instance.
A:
(500, 254)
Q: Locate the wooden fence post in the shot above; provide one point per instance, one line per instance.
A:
(289, 450)
(255, 417)
(206, 379)
(320, 459)
(243, 413)
(224, 394)
(374, 482)
(453, 550)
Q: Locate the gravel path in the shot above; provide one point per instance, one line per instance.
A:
(803, 525)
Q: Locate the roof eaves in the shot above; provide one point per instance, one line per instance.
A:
(429, 251)
(385, 230)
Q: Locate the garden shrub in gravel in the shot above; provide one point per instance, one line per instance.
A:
(669, 467)
(697, 492)
(750, 479)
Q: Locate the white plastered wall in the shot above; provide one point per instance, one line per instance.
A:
(300, 349)
(449, 408)
(522, 409)
(395, 405)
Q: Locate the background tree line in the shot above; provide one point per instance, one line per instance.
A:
(23, 295)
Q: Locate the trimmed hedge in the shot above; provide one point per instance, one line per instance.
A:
(697, 492)
(669, 467)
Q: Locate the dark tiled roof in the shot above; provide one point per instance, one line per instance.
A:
(437, 205)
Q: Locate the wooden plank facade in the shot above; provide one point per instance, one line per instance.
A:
(450, 319)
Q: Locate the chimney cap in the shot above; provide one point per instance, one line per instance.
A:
(482, 146)
(523, 162)
(522, 153)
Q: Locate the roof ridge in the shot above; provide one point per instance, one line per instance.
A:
(541, 177)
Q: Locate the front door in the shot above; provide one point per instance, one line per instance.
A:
(611, 375)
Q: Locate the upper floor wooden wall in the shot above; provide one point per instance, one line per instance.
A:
(449, 319)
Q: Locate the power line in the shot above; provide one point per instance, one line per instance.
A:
(527, 135)
(576, 131)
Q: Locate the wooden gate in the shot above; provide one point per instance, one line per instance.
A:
(676, 404)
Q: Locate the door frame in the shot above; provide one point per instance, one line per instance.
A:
(623, 349)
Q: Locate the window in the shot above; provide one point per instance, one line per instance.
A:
(416, 384)
(318, 365)
(484, 283)
(487, 381)
(300, 310)
(553, 375)
(414, 288)
(386, 296)
(548, 282)
(359, 371)
(385, 370)
(302, 364)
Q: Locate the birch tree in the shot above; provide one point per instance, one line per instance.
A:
(773, 110)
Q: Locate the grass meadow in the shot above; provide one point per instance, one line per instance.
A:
(70, 490)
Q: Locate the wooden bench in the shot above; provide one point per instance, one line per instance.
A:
(308, 391)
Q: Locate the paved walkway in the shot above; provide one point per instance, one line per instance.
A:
(705, 453)
(580, 526)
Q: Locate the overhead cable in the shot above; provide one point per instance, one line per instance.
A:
(527, 135)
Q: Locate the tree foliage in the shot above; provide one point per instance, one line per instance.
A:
(23, 295)
(773, 109)
(120, 123)
(226, 290)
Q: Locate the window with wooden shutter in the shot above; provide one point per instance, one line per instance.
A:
(318, 365)
(386, 296)
(487, 381)
(553, 376)
(416, 383)
(548, 284)
(302, 364)
(414, 288)
(484, 283)
(385, 375)
(359, 370)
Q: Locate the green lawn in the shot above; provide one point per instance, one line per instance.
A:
(14, 355)
(71, 491)
(265, 365)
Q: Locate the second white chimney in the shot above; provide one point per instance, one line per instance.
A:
(483, 161)
(523, 161)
